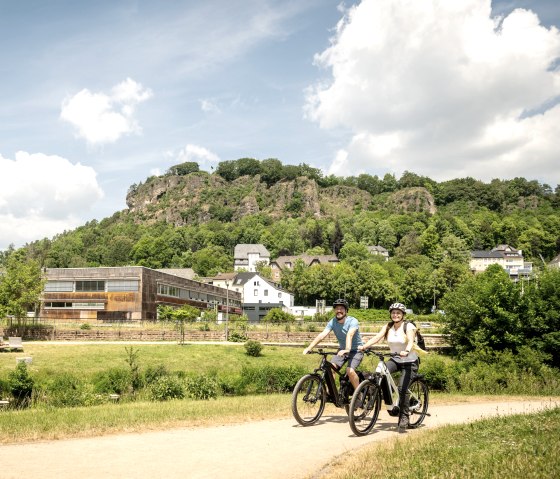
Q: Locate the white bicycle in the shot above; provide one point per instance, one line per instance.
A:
(380, 387)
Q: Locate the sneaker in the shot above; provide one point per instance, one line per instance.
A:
(403, 423)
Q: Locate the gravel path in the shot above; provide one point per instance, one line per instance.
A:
(264, 449)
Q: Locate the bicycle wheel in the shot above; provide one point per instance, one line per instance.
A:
(419, 398)
(364, 408)
(308, 399)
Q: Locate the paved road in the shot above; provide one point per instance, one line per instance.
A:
(276, 449)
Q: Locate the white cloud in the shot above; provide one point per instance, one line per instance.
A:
(209, 106)
(442, 88)
(42, 195)
(198, 154)
(104, 118)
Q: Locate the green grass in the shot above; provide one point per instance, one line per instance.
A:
(513, 447)
(87, 359)
(46, 424)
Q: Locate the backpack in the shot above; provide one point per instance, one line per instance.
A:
(420, 342)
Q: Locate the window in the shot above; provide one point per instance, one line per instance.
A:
(59, 286)
(266, 292)
(256, 292)
(123, 285)
(90, 286)
(279, 294)
(256, 283)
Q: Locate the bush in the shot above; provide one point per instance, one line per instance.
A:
(202, 387)
(66, 390)
(21, 385)
(165, 388)
(85, 326)
(152, 373)
(436, 373)
(113, 381)
(270, 379)
(237, 337)
(253, 348)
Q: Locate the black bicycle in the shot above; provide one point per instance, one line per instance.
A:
(380, 387)
(314, 390)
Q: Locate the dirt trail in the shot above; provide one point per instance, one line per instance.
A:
(266, 449)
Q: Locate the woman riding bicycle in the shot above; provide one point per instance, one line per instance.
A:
(405, 359)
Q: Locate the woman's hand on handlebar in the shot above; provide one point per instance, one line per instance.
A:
(307, 350)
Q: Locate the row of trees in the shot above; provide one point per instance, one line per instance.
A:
(496, 195)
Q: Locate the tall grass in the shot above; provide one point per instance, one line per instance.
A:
(516, 447)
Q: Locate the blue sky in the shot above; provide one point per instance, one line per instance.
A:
(96, 96)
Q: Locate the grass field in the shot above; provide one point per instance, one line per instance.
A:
(513, 447)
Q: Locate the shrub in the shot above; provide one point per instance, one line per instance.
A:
(202, 387)
(253, 348)
(85, 326)
(436, 373)
(270, 379)
(113, 381)
(237, 337)
(21, 385)
(152, 373)
(167, 387)
(66, 390)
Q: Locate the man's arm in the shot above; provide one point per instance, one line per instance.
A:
(348, 346)
(316, 341)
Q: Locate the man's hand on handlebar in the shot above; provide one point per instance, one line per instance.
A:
(307, 350)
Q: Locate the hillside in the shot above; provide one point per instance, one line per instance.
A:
(201, 197)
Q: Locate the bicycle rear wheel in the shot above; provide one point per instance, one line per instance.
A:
(419, 398)
(364, 408)
(308, 399)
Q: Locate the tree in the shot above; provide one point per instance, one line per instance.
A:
(185, 168)
(486, 312)
(20, 288)
(180, 316)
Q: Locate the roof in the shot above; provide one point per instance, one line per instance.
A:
(243, 250)
(243, 278)
(307, 259)
(377, 249)
(486, 254)
(187, 273)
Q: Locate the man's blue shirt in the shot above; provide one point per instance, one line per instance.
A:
(340, 330)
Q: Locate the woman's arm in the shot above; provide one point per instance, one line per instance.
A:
(375, 339)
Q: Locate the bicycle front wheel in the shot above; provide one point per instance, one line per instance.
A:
(419, 398)
(308, 399)
(364, 408)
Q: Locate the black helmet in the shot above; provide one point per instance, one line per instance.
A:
(399, 306)
(341, 302)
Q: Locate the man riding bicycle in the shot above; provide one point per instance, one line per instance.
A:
(347, 331)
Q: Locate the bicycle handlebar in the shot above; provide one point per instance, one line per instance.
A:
(380, 355)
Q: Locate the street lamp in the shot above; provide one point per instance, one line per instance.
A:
(227, 308)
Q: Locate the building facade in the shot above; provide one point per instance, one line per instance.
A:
(247, 256)
(130, 293)
(507, 257)
(287, 262)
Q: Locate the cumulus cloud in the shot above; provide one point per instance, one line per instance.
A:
(42, 195)
(104, 118)
(442, 89)
(199, 154)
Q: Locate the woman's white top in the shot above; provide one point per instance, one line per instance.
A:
(397, 341)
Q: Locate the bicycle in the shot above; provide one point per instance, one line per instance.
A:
(314, 390)
(366, 401)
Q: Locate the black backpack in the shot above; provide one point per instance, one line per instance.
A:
(419, 338)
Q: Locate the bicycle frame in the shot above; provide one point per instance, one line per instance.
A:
(387, 384)
(325, 372)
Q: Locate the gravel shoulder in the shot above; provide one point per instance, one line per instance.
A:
(271, 449)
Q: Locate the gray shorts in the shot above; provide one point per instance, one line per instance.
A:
(354, 360)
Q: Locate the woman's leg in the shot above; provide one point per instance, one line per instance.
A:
(408, 370)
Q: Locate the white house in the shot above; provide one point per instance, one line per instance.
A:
(507, 257)
(258, 294)
(246, 257)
